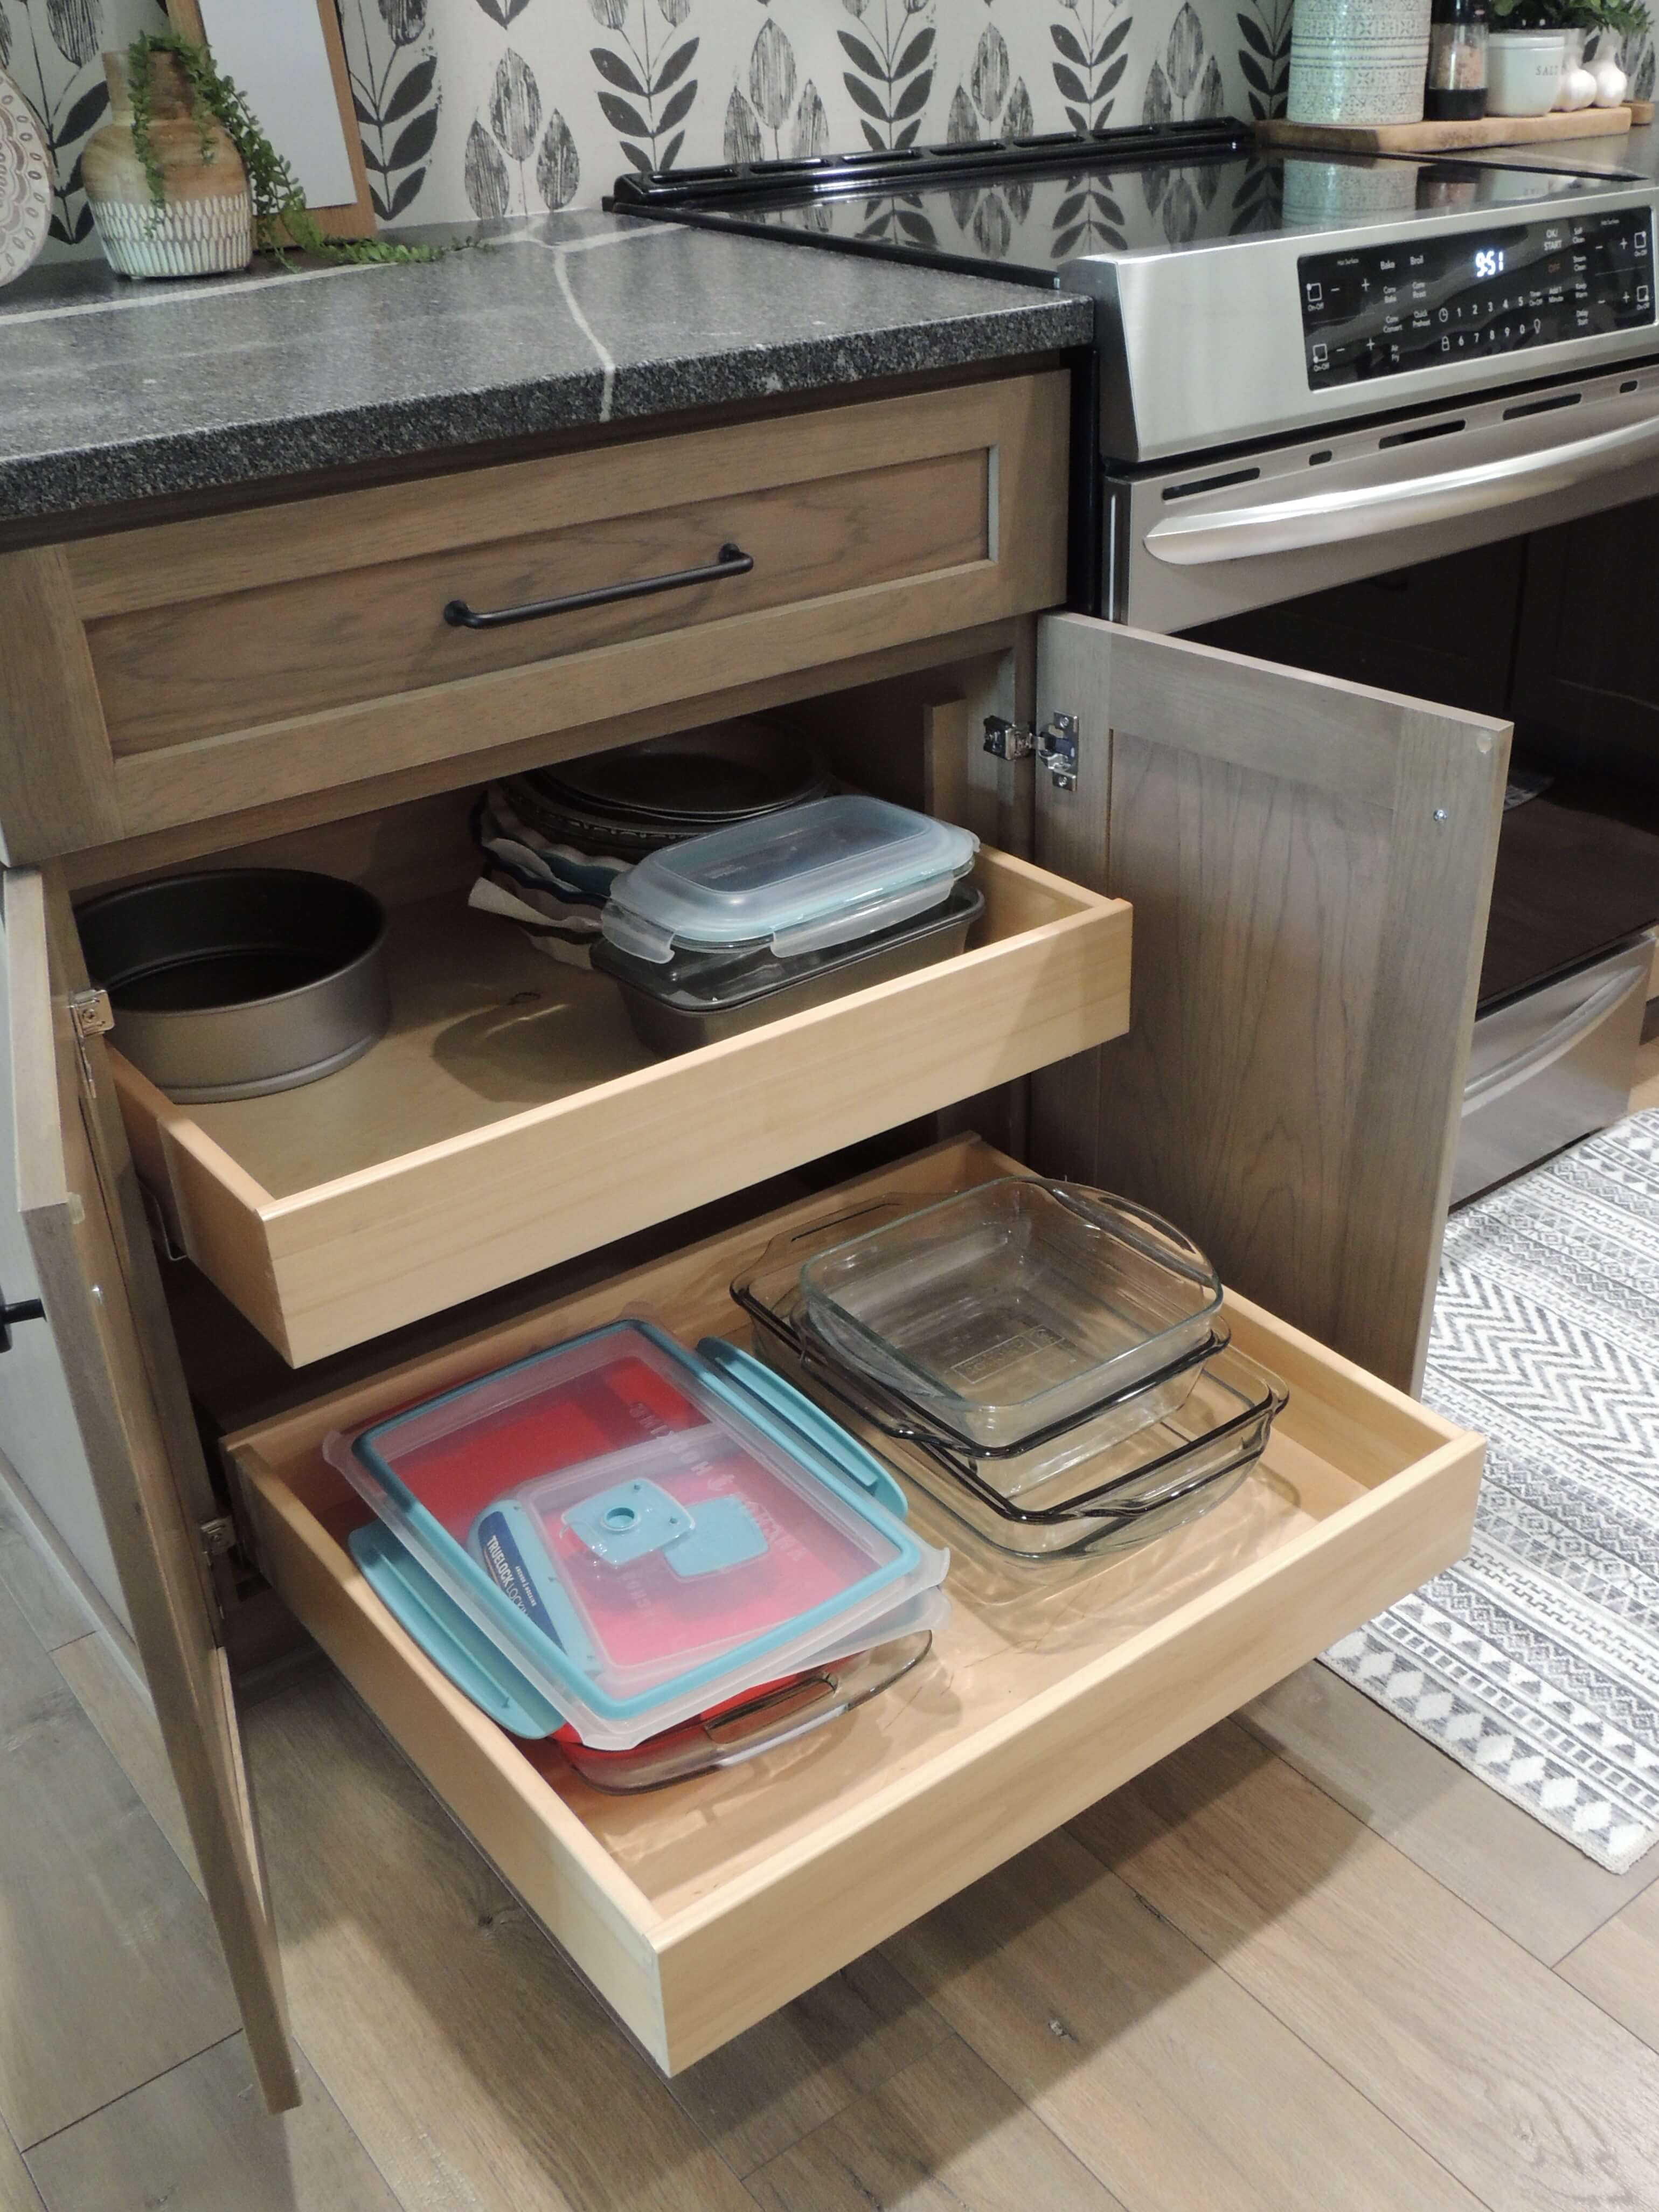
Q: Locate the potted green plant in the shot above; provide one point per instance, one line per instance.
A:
(183, 182)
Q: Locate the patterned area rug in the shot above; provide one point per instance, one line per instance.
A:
(1535, 1663)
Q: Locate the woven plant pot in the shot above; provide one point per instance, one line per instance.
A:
(204, 225)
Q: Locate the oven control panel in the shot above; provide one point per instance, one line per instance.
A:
(1381, 310)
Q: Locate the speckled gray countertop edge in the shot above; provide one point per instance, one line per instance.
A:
(184, 461)
(117, 399)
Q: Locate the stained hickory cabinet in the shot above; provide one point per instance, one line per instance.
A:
(1304, 864)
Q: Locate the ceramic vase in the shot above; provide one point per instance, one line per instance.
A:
(204, 224)
(25, 183)
(1358, 61)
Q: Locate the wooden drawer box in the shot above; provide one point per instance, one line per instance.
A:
(512, 1120)
(199, 668)
(697, 1910)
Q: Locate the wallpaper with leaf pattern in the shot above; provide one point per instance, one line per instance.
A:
(491, 107)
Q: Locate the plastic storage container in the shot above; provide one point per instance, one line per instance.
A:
(811, 877)
(1007, 1312)
(640, 1533)
(697, 998)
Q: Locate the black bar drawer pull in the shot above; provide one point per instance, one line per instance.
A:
(733, 562)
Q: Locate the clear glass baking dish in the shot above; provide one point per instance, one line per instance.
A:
(1165, 1475)
(771, 1292)
(1007, 1311)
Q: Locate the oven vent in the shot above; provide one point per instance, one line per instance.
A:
(1416, 437)
(1543, 406)
(1193, 486)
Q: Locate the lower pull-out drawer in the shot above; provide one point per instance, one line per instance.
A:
(698, 1909)
(510, 1119)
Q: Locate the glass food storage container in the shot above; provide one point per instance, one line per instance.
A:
(813, 876)
(698, 997)
(621, 1534)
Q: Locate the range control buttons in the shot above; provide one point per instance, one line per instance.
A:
(1377, 311)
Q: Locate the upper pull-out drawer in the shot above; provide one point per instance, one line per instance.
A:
(198, 668)
(510, 1119)
(697, 1910)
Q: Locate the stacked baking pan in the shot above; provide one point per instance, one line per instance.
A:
(668, 1560)
(553, 842)
(1048, 1362)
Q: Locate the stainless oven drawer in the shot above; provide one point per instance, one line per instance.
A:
(1552, 1067)
(1215, 537)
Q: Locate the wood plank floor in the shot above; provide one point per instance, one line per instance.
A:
(1306, 1964)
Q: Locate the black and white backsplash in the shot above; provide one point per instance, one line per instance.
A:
(491, 107)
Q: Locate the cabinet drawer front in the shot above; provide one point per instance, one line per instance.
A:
(238, 661)
(511, 1120)
(697, 1910)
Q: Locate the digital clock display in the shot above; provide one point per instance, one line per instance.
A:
(1381, 310)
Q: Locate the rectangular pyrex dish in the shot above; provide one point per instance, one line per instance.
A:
(1145, 1485)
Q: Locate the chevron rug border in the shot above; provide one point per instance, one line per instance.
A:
(1535, 1663)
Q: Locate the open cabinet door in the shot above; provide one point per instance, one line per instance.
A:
(1311, 864)
(71, 1164)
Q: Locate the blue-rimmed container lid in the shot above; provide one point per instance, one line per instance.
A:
(640, 1531)
(816, 875)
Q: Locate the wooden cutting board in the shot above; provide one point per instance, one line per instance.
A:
(1446, 138)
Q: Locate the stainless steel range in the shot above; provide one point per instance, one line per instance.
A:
(1308, 371)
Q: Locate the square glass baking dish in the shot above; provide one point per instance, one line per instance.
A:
(1007, 1311)
(771, 1293)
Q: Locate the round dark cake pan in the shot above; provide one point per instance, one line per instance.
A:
(236, 982)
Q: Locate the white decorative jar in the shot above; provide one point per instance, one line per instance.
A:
(1358, 61)
(1524, 70)
(203, 224)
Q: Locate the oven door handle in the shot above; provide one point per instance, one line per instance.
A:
(1557, 1043)
(1328, 518)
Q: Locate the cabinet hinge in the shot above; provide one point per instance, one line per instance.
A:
(218, 1535)
(90, 1015)
(1008, 741)
(1056, 748)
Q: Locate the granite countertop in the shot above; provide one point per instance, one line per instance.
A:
(120, 392)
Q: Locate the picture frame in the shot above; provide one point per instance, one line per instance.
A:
(295, 86)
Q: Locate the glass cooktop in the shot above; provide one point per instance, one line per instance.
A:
(989, 209)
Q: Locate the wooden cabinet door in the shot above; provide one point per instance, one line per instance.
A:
(78, 1199)
(1310, 862)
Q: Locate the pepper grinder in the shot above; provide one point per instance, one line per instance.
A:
(1456, 88)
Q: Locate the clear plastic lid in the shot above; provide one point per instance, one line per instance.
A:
(641, 1530)
(811, 876)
